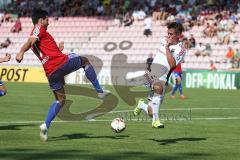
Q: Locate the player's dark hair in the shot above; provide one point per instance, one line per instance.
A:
(37, 14)
(177, 26)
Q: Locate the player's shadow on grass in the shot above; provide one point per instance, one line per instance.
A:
(52, 154)
(84, 136)
(176, 140)
(16, 127)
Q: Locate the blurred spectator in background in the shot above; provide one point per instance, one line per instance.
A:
(128, 19)
(233, 17)
(125, 5)
(148, 25)
(223, 36)
(230, 25)
(6, 17)
(212, 67)
(107, 7)
(203, 50)
(100, 9)
(230, 55)
(152, 4)
(1, 16)
(17, 26)
(233, 39)
(192, 41)
(199, 49)
(5, 44)
(149, 62)
(170, 19)
(118, 18)
(237, 58)
(214, 29)
(207, 51)
(138, 14)
(208, 30)
(190, 11)
(159, 14)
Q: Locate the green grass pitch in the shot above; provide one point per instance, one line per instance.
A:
(206, 125)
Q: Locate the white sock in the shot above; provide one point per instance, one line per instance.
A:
(144, 107)
(155, 104)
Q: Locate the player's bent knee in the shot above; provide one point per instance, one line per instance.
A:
(157, 87)
(85, 61)
(62, 100)
(150, 112)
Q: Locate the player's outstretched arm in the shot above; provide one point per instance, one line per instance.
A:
(6, 58)
(27, 45)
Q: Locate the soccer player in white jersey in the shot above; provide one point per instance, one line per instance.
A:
(171, 53)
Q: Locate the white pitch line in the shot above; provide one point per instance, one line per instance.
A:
(180, 119)
(137, 120)
(123, 111)
(217, 118)
(180, 109)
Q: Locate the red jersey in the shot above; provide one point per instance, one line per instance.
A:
(47, 50)
(178, 68)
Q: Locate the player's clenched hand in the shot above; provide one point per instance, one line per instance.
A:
(7, 57)
(169, 42)
(19, 57)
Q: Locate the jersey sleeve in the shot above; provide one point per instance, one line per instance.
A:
(179, 56)
(37, 31)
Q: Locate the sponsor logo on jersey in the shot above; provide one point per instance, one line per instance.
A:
(45, 59)
(36, 30)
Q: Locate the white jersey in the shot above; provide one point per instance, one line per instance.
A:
(148, 23)
(178, 52)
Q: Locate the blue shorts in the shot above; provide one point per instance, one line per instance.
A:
(56, 79)
(177, 75)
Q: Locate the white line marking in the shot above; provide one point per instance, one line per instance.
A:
(180, 109)
(216, 118)
(137, 120)
(123, 111)
(179, 119)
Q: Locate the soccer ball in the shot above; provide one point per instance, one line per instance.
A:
(118, 125)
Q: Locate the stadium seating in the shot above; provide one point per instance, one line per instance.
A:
(90, 36)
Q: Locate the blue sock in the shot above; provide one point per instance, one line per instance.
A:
(52, 112)
(180, 88)
(92, 77)
(174, 89)
(2, 93)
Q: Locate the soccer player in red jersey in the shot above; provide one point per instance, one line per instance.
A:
(177, 75)
(56, 65)
(3, 89)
